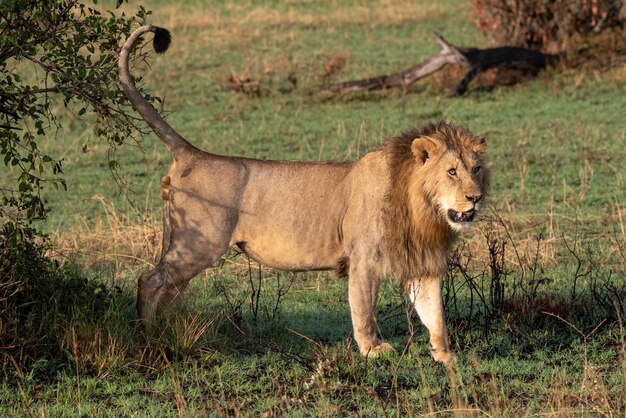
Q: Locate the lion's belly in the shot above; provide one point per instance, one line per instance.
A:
(291, 214)
(302, 245)
(283, 257)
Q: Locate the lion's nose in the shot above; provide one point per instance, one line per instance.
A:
(475, 198)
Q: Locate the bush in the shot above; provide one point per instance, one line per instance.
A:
(51, 52)
(551, 25)
(39, 299)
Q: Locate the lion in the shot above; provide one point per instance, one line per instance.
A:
(394, 212)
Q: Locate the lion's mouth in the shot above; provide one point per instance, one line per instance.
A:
(460, 217)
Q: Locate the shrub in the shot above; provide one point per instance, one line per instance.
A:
(545, 24)
(39, 299)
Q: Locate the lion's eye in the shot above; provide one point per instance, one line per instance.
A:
(476, 169)
(452, 172)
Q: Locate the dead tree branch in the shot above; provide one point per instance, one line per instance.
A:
(474, 59)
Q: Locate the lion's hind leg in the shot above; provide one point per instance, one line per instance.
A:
(186, 252)
(161, 286)
(152, 287)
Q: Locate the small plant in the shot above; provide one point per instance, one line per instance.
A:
(187, 335)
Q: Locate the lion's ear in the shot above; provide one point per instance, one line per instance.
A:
(425, 147)
(479, 145)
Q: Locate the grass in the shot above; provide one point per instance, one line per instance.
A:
(554, 229)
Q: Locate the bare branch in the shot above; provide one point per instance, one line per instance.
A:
(474, 59)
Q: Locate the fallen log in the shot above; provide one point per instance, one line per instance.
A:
(474, 59)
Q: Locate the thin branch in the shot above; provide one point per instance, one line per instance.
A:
(15, 128)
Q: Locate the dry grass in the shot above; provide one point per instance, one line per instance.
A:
(521, 232)
(120, 239)
(244, 14)
(617, 74)
(98, 350)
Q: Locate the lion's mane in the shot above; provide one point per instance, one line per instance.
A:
(416, 237)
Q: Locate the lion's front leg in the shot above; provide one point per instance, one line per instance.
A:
(363, 295)
(425, 296)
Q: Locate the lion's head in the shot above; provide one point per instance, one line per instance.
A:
(450, 172)
(438, 183)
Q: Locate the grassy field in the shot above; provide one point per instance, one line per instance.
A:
(535, 295)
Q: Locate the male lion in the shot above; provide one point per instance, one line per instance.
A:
(395, 212)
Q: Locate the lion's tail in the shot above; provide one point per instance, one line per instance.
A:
(161, 128)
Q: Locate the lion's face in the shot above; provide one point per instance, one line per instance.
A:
(456, 179)
(461, 191)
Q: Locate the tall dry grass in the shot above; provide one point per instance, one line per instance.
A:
(124, 241)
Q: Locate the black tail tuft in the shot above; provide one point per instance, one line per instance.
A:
(162, 40)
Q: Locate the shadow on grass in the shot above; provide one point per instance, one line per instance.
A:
(65, 321)
(207, 355)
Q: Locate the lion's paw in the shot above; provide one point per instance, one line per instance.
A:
(379, 349)
(445, 356)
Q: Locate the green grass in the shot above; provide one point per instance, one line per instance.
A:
(556, 150)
